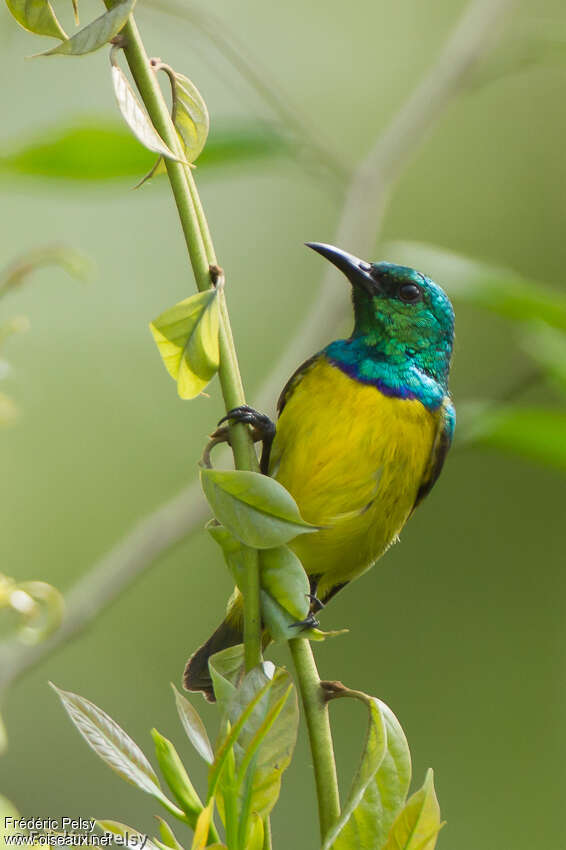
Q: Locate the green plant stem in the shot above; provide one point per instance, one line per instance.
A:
(202, 256)
(320, 735)
(267, 834)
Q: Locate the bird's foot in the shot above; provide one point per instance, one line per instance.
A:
(248, 415)
(309, 622)
(263, 429)
(316, 603)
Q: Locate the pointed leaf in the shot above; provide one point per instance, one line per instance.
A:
(256, 509)
(109, 741)
(157, 169)
(187, 338)
(393, 777)
(269, 752)
(96, 34)
(356, 825)
(36, 16)
(381, 783)
(177, 778)
(135, 116)
(255, 835)
(191, 117)
(203, 827)
(226, 670)
(497, 290)
(265, 742)
(168, 836)
(131, 838)
(194, 727)
(417, 826)
(241, 715)
(113, 745)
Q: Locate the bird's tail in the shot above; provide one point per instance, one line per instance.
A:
(197, 676)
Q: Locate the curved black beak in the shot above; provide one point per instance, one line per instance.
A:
(356, 270)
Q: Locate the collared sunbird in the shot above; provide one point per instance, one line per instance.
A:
(364, 427)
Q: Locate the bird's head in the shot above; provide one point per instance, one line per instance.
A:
(399, 311)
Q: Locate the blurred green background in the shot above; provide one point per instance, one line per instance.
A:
(461, 628)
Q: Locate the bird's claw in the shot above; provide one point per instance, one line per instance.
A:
(316, 603)
(263, 429)
(249, 416)
(309, 622)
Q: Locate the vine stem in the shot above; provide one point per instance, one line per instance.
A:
(320, 735)
(202, 256)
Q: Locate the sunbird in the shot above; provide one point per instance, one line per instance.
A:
(363, 429)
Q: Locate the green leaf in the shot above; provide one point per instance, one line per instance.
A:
(194, 727)
(547, 346)
(202, 829)
(36, 16)
(190, 117)
(381, 783)
(393, 777)
(255, 833)
(418, 824)
(177, 778)
(497, 290)
(90, 150)
(187, 339)
(269, 752)
(96, 34)
(536, 434)
(243, 713)
(256, 509)
(113, 745)
(265, 742)
(226, 670)
(95, 149)
(135, 117)
(131, 838)
(168, 836)
(191, 120)
(357, 825)
(279, 623)
(284, 583)
(282, 576)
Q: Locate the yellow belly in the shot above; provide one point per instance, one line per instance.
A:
(353, 459)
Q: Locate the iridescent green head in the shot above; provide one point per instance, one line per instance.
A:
(401, 316)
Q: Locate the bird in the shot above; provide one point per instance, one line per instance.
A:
(363, 430)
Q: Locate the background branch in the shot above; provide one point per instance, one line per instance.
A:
(364, 206)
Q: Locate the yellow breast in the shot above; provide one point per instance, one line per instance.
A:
(353, 459)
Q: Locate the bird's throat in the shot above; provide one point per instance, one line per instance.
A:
(393, 373)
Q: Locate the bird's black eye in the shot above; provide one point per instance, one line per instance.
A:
(410, 292)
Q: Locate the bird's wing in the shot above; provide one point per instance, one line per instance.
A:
(439, 451)
(295, 378)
